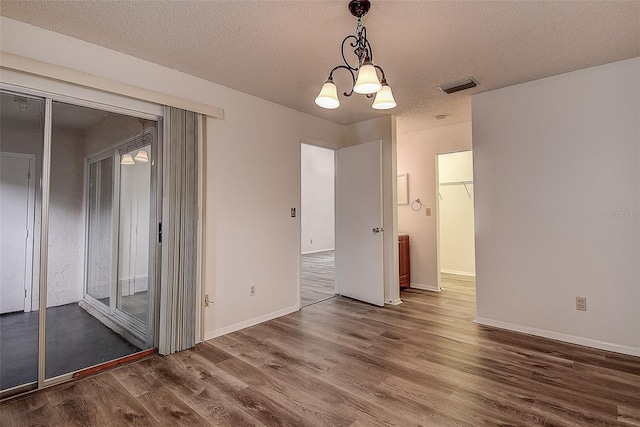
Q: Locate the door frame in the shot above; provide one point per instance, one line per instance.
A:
(31, 197)
(389, 203)
(320, 144)
(330, 147)
(438, 234)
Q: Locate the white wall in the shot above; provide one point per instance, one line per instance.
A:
(557, 176)
(66, 221)
(456, 235)
(417, 156)
(317, 213)
(252, 161)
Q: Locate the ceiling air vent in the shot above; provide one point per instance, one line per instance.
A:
(459, 85)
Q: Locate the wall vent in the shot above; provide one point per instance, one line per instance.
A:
(459, 85)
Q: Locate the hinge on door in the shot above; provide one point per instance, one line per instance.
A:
(160, 232)
(29, 174)
(25, 293)
(27, 233)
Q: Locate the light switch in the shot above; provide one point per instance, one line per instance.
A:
(293, 212)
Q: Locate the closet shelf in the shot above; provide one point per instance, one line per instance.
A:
(456, 183)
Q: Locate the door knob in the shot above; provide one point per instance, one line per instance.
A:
(378, 230)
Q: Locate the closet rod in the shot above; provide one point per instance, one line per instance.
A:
(456, 183)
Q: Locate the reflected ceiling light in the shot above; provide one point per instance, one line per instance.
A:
(22, 102)
(367, 81)
(127, 160)
(139, 140)
(141, 156)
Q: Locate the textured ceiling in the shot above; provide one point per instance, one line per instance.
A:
(282, 51)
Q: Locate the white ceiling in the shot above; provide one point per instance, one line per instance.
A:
(282, 51)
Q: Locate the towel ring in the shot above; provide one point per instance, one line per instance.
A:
(416, 205)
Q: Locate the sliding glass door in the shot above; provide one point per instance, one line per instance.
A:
(79, 238)
(21, 147)
(121, 235)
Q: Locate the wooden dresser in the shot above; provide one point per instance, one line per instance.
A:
(403, 258)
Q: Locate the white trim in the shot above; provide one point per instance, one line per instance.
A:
(251, 322)
(317, 251)
(425, 287)
(318, 143)
(45, 192)
(21, 64)
(588, 342)
(396, 301)
(458, 273)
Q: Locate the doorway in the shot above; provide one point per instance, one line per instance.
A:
(456, 233)
(317, 217)
(17, 199)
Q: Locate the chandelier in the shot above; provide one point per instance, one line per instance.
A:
(364, 74)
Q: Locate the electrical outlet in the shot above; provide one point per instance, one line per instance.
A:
(581, 303)
(206, 300)
(252, 290)
(427, 211)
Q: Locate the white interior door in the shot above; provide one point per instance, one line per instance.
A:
(359, 241)
(14, 209)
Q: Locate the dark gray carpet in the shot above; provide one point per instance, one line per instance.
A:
(75, 340)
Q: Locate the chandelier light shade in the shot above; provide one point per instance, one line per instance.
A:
(384, 98)
(139, 141)
(127, 159)
(367, 81)
(364, 73)
(141, 157)
(328, 96)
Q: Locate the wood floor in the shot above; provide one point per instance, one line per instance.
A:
(345, 363)
(317, 277)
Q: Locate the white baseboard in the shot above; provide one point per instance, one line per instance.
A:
(425, 287)
(587, 342)
(458, 275)
(251, 322)
(396, 301)
(317, 251)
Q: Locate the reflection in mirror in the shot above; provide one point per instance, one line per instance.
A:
(21, 148)
(133, 263)
(100, 219)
